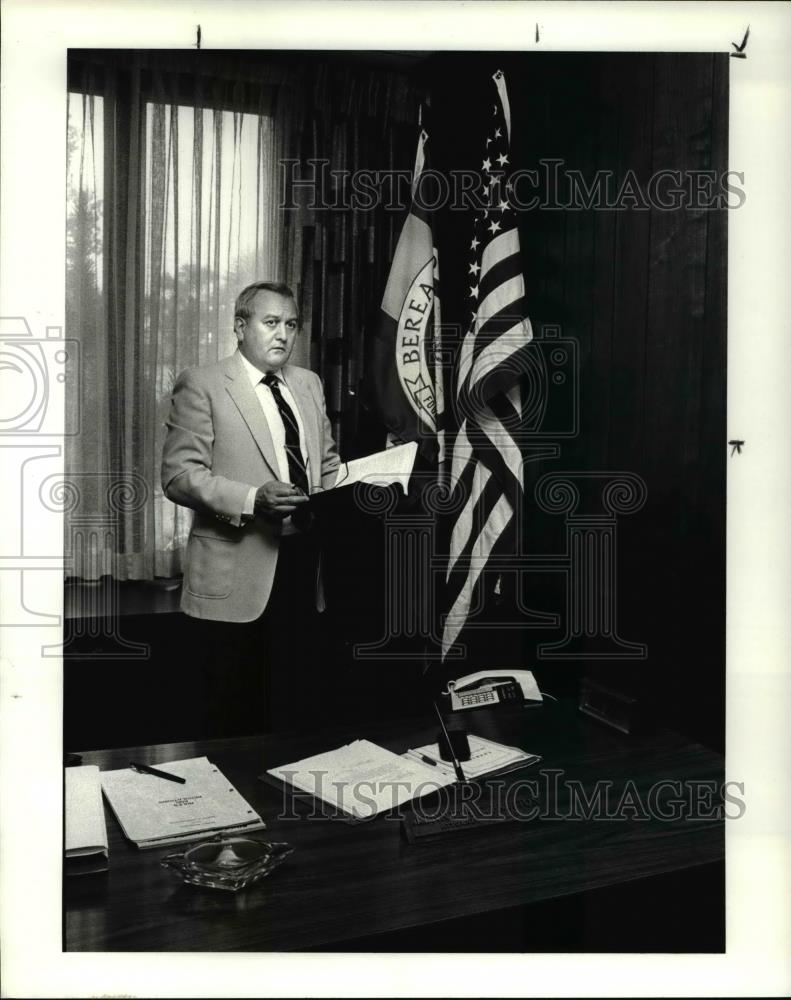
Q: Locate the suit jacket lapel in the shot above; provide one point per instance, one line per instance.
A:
(310, 420)
(244, 396)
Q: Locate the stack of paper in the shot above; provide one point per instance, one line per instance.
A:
(486, 757)
(154, 812)
(362, 779)
(86, 832)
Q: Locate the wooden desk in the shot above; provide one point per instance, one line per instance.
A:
(345, 882)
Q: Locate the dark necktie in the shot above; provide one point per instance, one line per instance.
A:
(297, 472)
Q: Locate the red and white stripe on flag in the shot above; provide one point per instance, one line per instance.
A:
(486, 466)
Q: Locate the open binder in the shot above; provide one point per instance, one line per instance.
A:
(361, 779)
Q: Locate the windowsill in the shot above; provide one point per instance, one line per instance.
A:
(108, 598)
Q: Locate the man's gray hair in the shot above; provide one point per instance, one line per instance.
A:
(244, 301)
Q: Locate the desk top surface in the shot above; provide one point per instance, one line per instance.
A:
(347, 881)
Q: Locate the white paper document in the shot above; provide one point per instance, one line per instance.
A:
(362, 779)
(154, 811)
(85, 829)
(394, 465)
(486, 757)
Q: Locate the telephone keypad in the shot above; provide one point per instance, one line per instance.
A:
(475, 698)
(501, 693)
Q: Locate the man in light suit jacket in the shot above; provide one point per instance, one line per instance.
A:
(248, 438)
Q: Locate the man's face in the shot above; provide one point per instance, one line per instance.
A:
(266, 339)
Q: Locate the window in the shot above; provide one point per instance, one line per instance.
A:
(152, 276)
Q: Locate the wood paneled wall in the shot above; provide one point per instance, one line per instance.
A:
(643, 293)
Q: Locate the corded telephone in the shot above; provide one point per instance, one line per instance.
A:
(493, 687)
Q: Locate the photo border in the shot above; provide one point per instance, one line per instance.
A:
(35, 39)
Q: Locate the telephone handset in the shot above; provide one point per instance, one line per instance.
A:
(493, 687)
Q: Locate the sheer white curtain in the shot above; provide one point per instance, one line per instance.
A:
(212, 228)
(172, 210)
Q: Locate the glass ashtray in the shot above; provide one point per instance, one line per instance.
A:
(227, 862)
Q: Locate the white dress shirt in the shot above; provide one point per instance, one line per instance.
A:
(277, 430)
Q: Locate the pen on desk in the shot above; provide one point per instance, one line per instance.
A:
(157, 773)
(428, 760)
(456, 764)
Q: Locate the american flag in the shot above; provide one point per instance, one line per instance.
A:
(486, 466)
